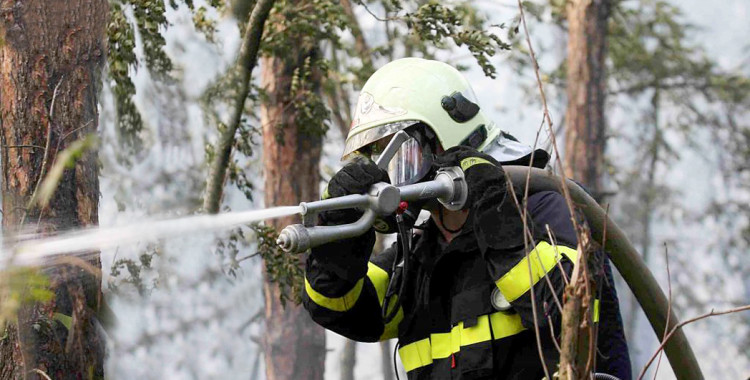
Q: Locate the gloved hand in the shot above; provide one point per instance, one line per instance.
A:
(494, 216)
(356, 177)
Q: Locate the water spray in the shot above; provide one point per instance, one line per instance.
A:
(32, 252)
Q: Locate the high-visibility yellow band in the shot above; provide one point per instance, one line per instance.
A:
(443, 345)
(543, 259)
(505, 325)
(466, 163)
(379, 279)
(342, 303)
(596, 311)
(477, 333)
(415, 355)
(391, 328)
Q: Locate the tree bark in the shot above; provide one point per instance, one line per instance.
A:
(294, 344)
(585, 136)
(51, 60)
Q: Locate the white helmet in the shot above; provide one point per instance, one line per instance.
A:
(418, 93)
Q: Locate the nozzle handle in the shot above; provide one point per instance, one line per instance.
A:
(298, 238)
(449, 187)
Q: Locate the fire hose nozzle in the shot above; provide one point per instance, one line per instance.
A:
(294, 238)
(449, 187)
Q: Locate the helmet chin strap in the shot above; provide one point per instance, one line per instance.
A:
(445, 227)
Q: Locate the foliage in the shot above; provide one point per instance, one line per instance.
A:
(148, 17)
(18, 287)
(281, 268)
(434, 23)
(135, 270)
(120, 59)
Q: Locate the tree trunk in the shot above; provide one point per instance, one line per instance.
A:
(585, 137)
(51, 58)
(294, 344)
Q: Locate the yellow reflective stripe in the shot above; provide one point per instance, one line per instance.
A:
(415, 355)
(391, 328)
(516, 281)
(441, 345)
(477, 333)
(455, 339)
(466, 163)
(505, 325)
(379, 279)
(570, 253)
(342, 303)
(596, 310)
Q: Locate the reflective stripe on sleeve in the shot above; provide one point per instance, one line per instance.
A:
(543, 258)
(391, 328)
(441, 345)
(466, 163)
(342, 303)
(379, 279)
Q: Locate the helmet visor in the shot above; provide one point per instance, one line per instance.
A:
(406, 166)
(409, 165)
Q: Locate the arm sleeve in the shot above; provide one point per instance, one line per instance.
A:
(344, 292)
(550, 209)
(533, 280)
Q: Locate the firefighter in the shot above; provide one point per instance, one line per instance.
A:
(455, 291)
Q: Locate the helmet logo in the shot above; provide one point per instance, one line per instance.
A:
(369, 111)
(366, 102)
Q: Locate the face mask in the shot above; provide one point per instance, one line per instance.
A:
(412, 161)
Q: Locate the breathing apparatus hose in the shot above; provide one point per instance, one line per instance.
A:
(627, 261)
(399, 270)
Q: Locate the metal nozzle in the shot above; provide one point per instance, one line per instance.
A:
(294, 238)
(449, 187)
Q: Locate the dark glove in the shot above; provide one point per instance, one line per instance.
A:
(494, 216)
(356, 177)
(347, 259)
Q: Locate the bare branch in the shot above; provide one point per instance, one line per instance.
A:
(712, 313)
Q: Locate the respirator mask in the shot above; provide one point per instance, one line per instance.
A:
(412, 163)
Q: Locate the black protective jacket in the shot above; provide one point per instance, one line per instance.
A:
(447, 327)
